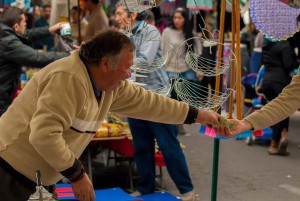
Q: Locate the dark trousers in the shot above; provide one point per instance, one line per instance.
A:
(15, 186)
(144, 133)
(271, 90)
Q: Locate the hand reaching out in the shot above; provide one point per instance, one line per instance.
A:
(238, 126)
(208, 117)
(56, 27)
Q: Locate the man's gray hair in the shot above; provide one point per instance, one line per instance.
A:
(109, 43)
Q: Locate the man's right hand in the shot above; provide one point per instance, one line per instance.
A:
(83, 189)
(56, 27)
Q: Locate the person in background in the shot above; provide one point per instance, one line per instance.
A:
(43, 21)
(113, 24)
(144, 132)
(255, 59)
(58, 112)
(180, 30)
(75, 22)
(149, 17)
(248, 34)
(279, 60)
(15, 52)
(98, 20)
(280, 108)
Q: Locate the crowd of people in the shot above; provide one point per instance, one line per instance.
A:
(73, 92)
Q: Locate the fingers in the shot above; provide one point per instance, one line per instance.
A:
(84, 198)
(223, 131)
(83, 189)
(92, 196)
(88, 197)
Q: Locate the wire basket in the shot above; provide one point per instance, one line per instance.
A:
(205, 66)
(158, 62)
(199, 96)
(165, 90)
(139, 5)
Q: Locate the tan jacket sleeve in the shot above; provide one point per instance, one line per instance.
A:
(136, 102)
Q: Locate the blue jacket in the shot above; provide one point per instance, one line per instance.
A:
(148, 51)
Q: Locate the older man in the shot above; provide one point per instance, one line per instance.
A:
(148, 51)
(58, 112)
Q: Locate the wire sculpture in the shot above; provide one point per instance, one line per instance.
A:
(195, 94)
(205, 66)
(200, 96)
(157, 63)
(139, 5)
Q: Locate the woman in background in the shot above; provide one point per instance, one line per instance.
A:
(180, 30)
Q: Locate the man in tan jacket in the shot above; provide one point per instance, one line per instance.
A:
(60, 109)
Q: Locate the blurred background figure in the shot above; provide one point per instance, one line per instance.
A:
(15, 52)
(255, 60)
(148, 50)
(280, 60)
(149, 17)
(46, 43)
(113, 24)
(248, 34)
(75, 19)
(98, 20)
(179, 31)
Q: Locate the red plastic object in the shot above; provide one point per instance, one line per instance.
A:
(123, 147)
(258, 133)
(159, 160)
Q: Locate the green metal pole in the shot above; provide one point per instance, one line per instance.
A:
(214, 187)
(69, 7)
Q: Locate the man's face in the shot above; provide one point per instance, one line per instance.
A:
(47, 13)
(114, 77)
(74, 15)
(20, 27)
(122, 17)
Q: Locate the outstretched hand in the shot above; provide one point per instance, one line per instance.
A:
(56, 27)
(208, 118)
(238, 126)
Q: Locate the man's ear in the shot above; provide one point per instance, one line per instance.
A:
(15, 26)
(105, 64)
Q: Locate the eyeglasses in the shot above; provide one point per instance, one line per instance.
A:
(292, 3)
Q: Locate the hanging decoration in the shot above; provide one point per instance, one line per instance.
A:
(274, 18)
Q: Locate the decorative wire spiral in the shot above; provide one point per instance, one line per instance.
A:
(195, 94)
(205, 66)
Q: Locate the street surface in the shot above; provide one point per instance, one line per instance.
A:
(246, 173)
